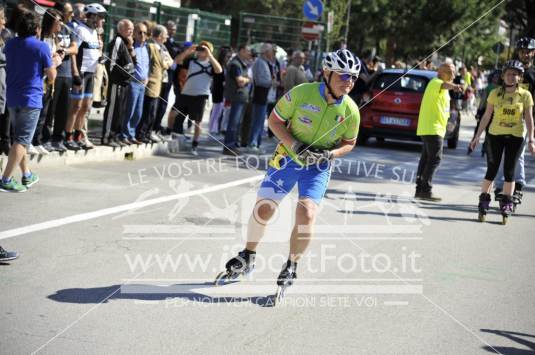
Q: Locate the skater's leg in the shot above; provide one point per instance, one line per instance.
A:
(513, 145)
(495, 148)
(263, 211)
(305, 217)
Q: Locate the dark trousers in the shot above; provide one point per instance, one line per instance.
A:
(507, 146)
(5, 127)
(429, 162)
(42, 133)
(246, 125)
(56, 117)
(162, 106)
(150, 106)
(115, 111)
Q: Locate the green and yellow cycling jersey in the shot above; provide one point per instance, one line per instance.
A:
(312, 121)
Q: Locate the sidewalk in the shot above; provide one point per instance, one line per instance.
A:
(99, 153)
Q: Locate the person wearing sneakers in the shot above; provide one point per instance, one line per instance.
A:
(432, 121)
(5, 137)
(58, 110)
(158, 64)
(121, 69)
(237, 81)
(136, 91)
(315, 123)
(7, 255)
(83, 76)
(201, 65)
(27, 59)
(264, 80)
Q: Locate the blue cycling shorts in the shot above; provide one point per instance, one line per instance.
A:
(312, 181)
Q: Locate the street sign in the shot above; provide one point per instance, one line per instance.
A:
(313, 9)
(311, 31)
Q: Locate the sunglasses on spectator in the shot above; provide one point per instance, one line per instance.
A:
(347, 77)
(142, 33)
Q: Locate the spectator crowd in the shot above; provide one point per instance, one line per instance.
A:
(55, 68)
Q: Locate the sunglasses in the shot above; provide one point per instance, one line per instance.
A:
(142, 33)
(347, 77)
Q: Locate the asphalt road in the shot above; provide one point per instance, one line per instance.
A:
(119, 258)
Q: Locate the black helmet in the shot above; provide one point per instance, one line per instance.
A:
(513, 64)
(525, 43)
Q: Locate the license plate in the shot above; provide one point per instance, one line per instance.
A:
(395, 121)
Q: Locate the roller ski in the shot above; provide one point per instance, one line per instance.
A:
(517, 199)
(484, 204)
(239, 266)
(506, 207)
(286, 279)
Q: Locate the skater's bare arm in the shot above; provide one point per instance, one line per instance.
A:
(483, 125)
(280, 130)
(345, 148)
(528, 117)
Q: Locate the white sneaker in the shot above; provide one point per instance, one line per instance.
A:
(153, 137)
(31, 150)
(41, 150)
(88, 144)
(253, 150)
(194, 152)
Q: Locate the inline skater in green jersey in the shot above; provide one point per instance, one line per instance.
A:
(315, 124)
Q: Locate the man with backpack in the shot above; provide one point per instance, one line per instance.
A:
(201, 65)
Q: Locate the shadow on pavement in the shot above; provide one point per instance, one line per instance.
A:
(514, 336)
(157, 293)
(393, 199)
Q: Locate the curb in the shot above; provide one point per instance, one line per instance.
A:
(102, 154)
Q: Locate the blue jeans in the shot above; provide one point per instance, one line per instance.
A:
(257, 127)
(135, 110)
(24, 121)
(231, 136)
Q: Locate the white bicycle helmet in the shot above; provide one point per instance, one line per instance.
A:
(94, 9)
(342, 61)
(514, 64)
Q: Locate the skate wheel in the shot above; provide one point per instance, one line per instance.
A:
(279, 295)
(482, 217)
(220, 279)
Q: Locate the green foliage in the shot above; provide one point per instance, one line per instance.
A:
(402, 29)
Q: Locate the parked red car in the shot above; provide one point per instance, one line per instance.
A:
(390, 108)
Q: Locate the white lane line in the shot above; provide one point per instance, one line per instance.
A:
(396, 303)
(121, 208)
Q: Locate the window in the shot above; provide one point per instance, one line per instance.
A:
(397, 82)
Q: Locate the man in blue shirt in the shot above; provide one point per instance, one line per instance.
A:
(137, 84)
(27, 59)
